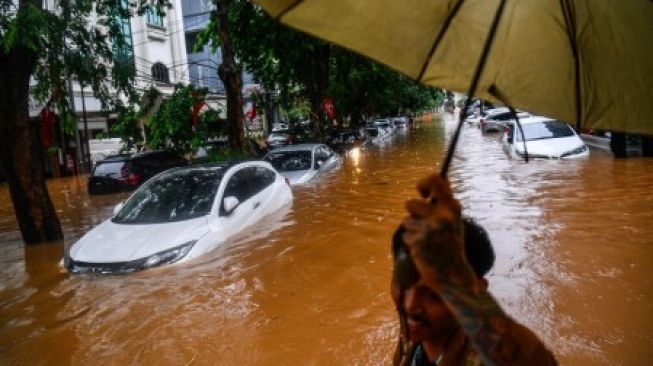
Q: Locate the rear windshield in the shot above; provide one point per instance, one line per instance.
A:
(545, 130)
(174, 196)
(108, 169)
(373, 132)
(278, 136)
(290, 160)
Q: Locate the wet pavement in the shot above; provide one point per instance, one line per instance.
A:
(574, 243)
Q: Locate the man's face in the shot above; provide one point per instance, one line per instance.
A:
(427, 316)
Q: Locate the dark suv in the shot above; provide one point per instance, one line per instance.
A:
(127, 172)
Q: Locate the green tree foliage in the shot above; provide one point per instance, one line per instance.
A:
(172, 126)
(219, 33)
(303, 67)
(78, 39)
(132, 114)
(296, 64)
(362, 88)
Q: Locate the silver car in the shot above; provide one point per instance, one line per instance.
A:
(303, 162)
(497, 120)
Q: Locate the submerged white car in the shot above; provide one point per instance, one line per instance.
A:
(180, 214)
(303, 162)
(546, 138)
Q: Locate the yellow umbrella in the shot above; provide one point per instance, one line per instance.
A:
(587, 62)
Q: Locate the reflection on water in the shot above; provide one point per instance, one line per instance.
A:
(310, 286)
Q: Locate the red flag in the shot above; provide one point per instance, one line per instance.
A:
(47, 121)
(251, 113)
(328, 107)
(197, 107)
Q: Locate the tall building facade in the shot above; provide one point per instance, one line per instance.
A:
(155, 48)
(202, 63)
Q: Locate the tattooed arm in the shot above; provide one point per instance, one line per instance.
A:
(434, 237)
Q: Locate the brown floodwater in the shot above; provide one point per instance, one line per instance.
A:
(574, 243)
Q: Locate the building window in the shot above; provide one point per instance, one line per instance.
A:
(123, 49)
(160, 73)
(191, 38)
(153, 17)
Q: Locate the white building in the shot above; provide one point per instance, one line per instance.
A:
(158, 51)
(157, 48)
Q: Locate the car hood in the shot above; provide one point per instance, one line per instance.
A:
(299, 176)
(111, 242)
(553, 148)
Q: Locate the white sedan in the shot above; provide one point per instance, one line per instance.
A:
(303, 162)
(180, 214)
(545, 139)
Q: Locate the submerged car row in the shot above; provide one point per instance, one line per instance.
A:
(180, 211)
(186, 211)
(542, 138)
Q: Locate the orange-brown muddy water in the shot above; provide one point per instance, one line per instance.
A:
(574, 243)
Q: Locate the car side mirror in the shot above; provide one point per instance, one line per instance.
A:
(118, 207)
(229, 204)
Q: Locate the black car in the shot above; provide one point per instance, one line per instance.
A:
(340, 140)
(127, 172)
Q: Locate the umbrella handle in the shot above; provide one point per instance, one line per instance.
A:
(472, 88)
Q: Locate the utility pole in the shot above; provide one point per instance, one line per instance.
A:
(87, 150)
(78, 151)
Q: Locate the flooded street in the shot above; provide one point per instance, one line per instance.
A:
(574, 244)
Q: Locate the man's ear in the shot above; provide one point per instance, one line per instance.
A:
(483, 284)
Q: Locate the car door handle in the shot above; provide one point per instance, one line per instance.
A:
(257, 205)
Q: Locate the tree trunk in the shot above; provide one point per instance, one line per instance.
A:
(20, 154)
(317, 91)
(230, 74)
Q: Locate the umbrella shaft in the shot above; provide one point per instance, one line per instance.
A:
(472, 87)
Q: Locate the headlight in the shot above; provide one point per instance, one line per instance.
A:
(576, 151)
(168, 256)
(157, 259)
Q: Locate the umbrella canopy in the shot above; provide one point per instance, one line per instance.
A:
(586, 62)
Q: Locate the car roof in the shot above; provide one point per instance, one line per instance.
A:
(537, 119)
(145, 154)
(220, 164)
(114, 158)
(496, 110)
(298, 147)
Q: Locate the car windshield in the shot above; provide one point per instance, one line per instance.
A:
(545, 130)
(288, 161)
(278, 136)
(173, 196)
(108, 169)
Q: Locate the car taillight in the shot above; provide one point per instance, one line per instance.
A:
(482, 121)
(133, 179)
(129, 177)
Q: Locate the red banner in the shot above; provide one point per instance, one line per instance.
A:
(251, 113)
(197, 107)
(328, 107)
(48, 119)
